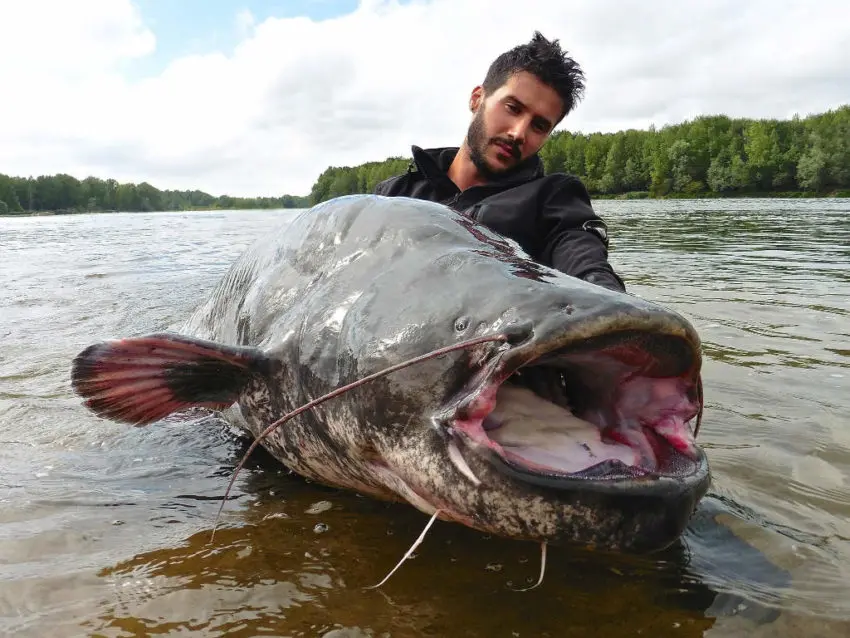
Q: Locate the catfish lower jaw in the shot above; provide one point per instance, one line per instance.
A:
(607, 477)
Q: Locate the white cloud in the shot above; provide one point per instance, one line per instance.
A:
(245, 23)
(296, 96)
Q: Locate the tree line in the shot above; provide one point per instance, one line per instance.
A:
(709, 155)
(65, 194)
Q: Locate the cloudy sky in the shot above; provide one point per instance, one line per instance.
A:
(257, 97)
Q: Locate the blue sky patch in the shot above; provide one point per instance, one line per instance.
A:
(202, 26)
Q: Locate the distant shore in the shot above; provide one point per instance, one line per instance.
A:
(838, 194)
(631, 196)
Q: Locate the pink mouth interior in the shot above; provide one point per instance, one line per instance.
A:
(642, 421)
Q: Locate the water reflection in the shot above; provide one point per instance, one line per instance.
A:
(292, 566)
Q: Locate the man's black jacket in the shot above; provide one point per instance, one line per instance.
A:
(550, 216)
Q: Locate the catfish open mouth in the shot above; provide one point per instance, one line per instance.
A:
(616, 407)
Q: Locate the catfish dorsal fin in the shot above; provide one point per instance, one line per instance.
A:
(140, 380)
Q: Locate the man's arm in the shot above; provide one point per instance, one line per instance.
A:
(575, 239)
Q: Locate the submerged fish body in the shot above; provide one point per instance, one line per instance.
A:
(580, 429)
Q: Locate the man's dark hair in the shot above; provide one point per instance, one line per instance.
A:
(547, 61)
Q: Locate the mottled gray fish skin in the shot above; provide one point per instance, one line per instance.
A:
(364, 282)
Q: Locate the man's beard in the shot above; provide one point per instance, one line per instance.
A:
(477, 141)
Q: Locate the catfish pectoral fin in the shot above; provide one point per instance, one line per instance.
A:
(143, 379)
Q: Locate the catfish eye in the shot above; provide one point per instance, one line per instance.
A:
(461, 324)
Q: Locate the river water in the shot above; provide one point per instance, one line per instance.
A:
(105, 529)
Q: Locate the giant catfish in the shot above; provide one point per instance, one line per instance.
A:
(579, 426)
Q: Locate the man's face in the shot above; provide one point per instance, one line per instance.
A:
(512, 123)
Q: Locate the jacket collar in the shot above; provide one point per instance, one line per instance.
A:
(434, 164)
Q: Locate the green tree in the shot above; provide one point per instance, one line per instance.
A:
(554, 156)
(661, 181)
(813, 169)
(614, 175)
(9, 194)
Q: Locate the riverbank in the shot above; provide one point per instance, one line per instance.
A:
(841, 194)
(58, 213)
(838, 194)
